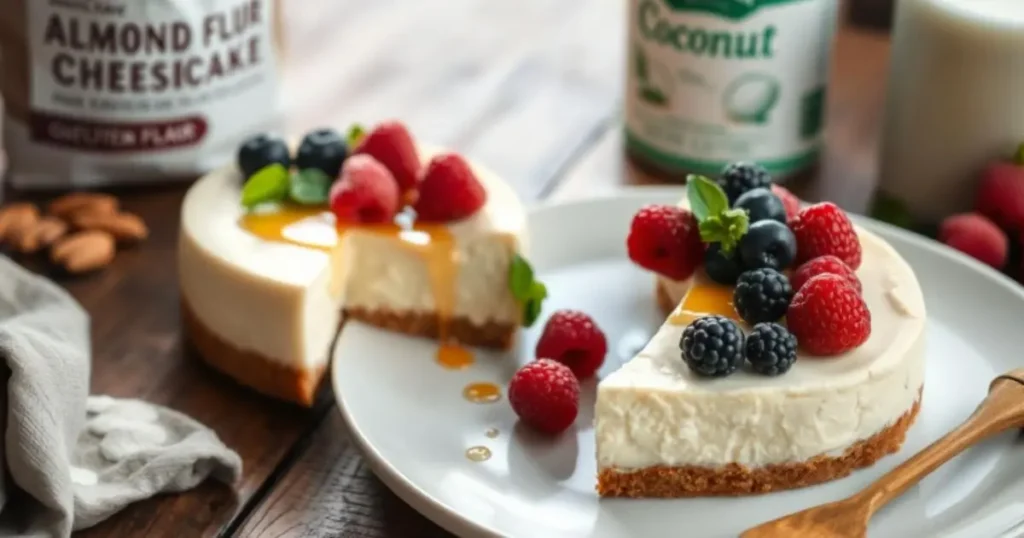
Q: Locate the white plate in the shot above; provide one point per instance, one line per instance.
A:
(408, 415)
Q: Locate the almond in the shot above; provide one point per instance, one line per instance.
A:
(84, 251)
(125, 227)
(49, 230)
(81, 203)
(15, 219)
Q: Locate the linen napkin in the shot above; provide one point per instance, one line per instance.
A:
(71, 460)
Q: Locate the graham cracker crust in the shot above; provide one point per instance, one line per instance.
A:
(299, 386)
(735, 479)
(664, 301)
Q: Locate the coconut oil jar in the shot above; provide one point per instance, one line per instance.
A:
(713, 82)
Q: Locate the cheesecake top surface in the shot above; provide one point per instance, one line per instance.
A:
(893, 296)
(211, 218)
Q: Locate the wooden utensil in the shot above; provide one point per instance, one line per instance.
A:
(1001, 410)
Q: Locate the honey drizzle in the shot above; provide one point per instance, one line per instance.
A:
(704, 298)
(313, 227)
(482, 392)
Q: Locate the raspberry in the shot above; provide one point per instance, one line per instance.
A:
(712, 346)
(449, 190)
(1001, 195)
(789, 200)
(545, 395)
(392, 145)
(976, 236)
(770, 349)
(828, 316)
(823, 265)
(823, 229)
(573, 339)
(762, 295)
(738, 178)
(365, 192)
(665, 239)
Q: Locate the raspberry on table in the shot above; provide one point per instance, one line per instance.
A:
(449, 190)
(665, 239)
(828, 316)
(770, 349)
(712, 346)
(823, 265)
(365, 192)
(762, 295)
(545, 395)
(789, 201)
(1001, 195)
(573, 339)
(977, 236)
(392, 145)
(740, 177)
(823, 229)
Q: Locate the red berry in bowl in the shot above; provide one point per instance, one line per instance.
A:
(573, 339)
(365, 193)
(976, 236)
(545, 395)
(1001, 195)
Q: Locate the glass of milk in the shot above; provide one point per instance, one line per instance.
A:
(955, 102)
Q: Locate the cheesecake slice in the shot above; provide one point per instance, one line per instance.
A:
(263, 293)
(663, 431)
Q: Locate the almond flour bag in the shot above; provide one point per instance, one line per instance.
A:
(134, 91)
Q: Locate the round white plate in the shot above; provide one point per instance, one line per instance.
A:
(408, 415)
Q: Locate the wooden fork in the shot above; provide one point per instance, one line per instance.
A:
(1001, 410)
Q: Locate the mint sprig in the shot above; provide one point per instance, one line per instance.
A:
(268, 184)
(310, 186)
(715, 220)
(529, 292)
(355, 135)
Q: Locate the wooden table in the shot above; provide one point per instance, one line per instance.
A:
(532, 89)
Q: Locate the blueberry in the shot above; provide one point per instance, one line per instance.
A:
(722, 268)
(761, 204)
(323, 149)
(767, 243)
(262, 150)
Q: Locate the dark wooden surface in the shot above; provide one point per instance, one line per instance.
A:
(530, 88)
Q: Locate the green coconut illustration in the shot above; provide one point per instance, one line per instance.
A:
(751, 97)
(648, 91)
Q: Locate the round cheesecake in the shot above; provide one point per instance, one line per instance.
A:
(265, 292)
(663, 431)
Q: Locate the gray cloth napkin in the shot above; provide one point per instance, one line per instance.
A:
(71, 460)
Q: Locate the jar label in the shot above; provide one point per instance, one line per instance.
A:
(715, 81)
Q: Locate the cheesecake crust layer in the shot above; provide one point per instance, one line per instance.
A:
(736, 480)
(664, 301)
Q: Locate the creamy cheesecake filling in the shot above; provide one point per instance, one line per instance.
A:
(655, 412)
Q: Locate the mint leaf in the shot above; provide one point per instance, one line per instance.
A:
(520, 278)
(539, 291)
(726, 228)
(355, 135)
(706, 198)
(1018, 156)
(268, 184)
(309, 187)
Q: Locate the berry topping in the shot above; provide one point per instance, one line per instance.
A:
(449, 190)
(365, 192)
(1001, 195)
(545, 395)
(823, 265)
(716, 221)
(828, 316)
(260, 151)
(712, 346)
(823, 229)
(762, 295)
(721, 267)
(322, 149)
(770, 349)
(573, 339)
(392, 145)
(976, 236)
(789, 200)
(768, 243)
(761, 204)
(665, 239)
(738, 178)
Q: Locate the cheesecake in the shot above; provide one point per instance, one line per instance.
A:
(664, 429)
(266, 287)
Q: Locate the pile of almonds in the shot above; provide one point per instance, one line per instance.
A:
(81, 230)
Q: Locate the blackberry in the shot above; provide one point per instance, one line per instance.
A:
(762, 295)
(770, 349)
(767, 243)
(740, 177)
(720, 267)
(712, 346)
